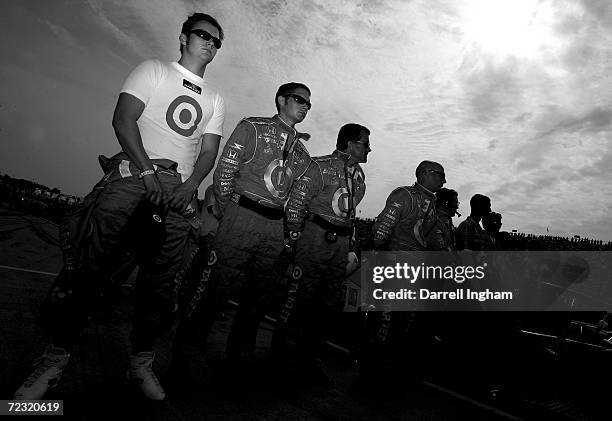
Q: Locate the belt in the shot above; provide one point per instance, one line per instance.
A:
(328, 226)
(129, 169)
(266, 212)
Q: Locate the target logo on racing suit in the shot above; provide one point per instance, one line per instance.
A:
(183, 115)
(340, 199)
(340, 202)
(278, 178)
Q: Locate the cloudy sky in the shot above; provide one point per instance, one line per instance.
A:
(513, 97)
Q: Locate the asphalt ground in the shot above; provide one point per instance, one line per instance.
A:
(94, 387)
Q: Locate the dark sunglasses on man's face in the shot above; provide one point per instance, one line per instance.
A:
(299, 100)
(206, 36)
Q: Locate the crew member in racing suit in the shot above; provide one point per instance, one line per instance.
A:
(442, 235)
(320, 214)
(409, 214)
(410, 211)
(255, 172)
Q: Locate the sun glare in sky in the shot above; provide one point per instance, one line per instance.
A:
(519, 28)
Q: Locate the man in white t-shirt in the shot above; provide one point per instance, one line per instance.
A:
(168, 121)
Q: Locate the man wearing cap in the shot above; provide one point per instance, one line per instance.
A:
(252, 180)
(320, 214)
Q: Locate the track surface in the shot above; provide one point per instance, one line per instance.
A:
(93, 386)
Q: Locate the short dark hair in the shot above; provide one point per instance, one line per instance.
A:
(288, 88)
(445, 196)
(348, 132)
(478, 201)
(199, 17)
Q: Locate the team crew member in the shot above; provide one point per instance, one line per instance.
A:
(321, 212)
(256, 170)
(498, 325)
(165, 111)
(409, 215)
(492, 223)
(410, 211)
(442, 235)
(470, 235)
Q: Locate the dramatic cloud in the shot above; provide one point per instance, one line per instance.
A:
(512, 97)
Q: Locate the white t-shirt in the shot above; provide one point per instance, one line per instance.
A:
(179, 108)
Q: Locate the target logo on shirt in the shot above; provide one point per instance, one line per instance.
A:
(183, 115)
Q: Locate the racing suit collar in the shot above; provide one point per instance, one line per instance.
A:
(343, 156)
(424, 190)
(280, 121)
(301, 136)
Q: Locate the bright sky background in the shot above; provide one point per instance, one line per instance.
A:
(512, 97)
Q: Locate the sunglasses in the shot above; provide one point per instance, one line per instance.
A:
(299, 100)
(206, 36)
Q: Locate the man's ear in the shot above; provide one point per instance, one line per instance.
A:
(183, 39)
(349, 148)
(282, 101)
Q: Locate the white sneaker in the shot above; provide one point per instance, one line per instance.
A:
(48, 372)
(141, 372)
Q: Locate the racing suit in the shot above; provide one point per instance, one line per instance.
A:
(100, 239)
(255, 172)
(408, 214)
(322, 207)
(442, 234)
(394, 337)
